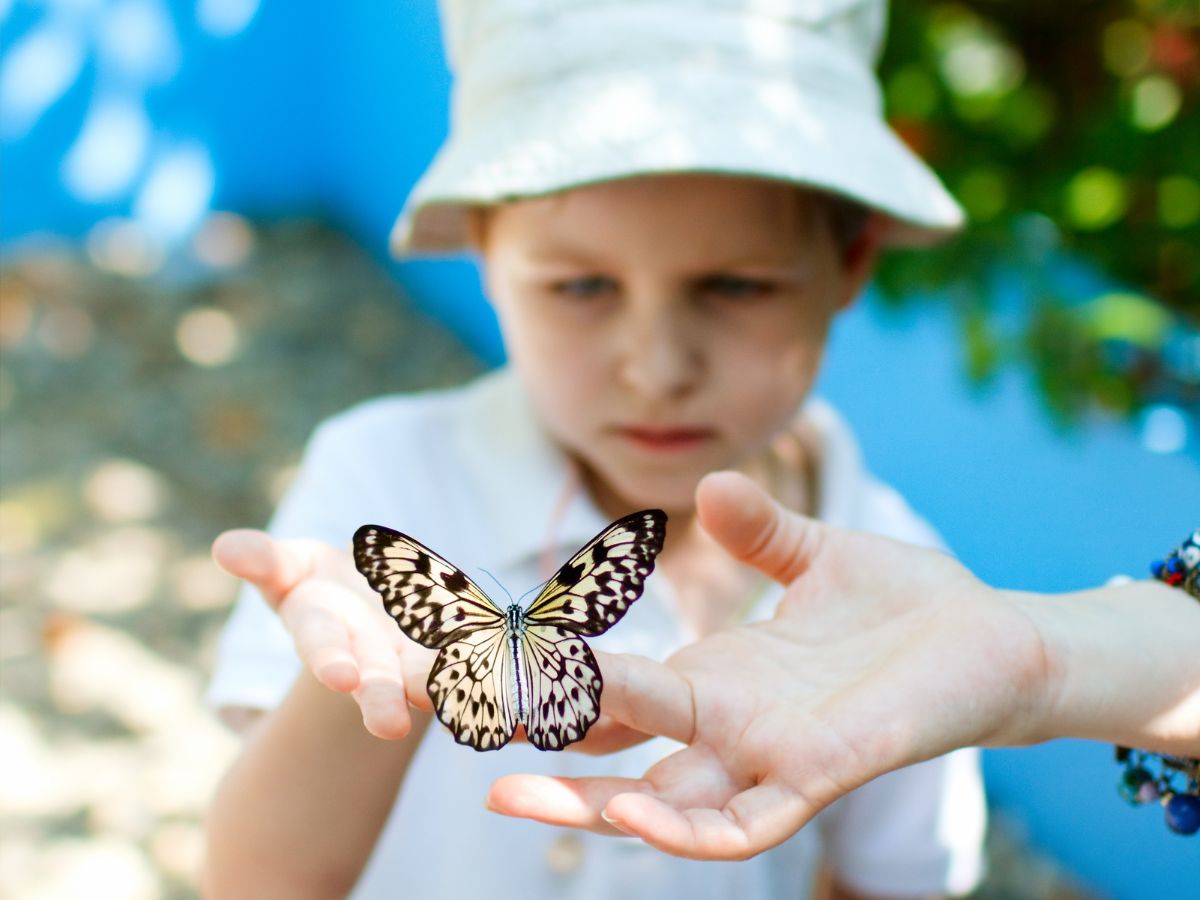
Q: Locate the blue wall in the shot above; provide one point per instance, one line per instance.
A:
(301, 107)
(1028, 507)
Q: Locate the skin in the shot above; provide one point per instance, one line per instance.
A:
(635, 304)
(633, 312)
(863, 670)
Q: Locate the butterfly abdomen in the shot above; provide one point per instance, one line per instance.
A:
(514, 619)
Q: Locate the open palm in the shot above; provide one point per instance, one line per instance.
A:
(880, 655)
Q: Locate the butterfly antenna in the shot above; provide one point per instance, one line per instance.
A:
(497, 580)
(536, 589)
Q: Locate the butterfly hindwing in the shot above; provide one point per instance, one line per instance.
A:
(432, 601)
(471, 687)
(564, 686)
(594, 588)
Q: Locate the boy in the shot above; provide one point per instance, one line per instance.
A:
(636, 178)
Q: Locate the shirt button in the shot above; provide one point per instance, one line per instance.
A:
(564, 856)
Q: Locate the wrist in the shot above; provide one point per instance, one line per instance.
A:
(1112, 671)
(1038, 670)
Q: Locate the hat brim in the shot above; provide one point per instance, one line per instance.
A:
(634, 124)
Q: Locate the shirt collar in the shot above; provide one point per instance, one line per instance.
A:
(518, 476)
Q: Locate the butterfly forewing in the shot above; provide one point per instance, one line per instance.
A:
(594, 588)
(432, 601)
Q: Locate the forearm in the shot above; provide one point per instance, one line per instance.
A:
(300, 810)
(1124, 666)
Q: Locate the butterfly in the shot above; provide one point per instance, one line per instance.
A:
(500, 667)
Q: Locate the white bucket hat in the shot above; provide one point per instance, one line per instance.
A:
(553, 94)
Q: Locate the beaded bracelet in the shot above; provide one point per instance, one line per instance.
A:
(1176, 783)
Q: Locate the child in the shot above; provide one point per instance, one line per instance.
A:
(649, 185)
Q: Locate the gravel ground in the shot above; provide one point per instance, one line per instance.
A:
(144, 407)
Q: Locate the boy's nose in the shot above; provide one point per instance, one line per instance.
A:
(659, 358)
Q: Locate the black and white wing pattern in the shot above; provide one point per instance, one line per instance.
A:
(471, 687)
(592, 590)
(494, 668)
(437, 605)
(432, 601)
(587, 596)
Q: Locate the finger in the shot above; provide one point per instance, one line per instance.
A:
(381, 692)
(753, 821)
(608, 736)
(571, 802)
(752, 527)
(274, 567)
(647, 696)
(322, 643)
(415, 663)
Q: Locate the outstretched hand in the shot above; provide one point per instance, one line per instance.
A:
(880, 655)
(341, 632)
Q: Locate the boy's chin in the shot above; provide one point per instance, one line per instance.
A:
(677, 496)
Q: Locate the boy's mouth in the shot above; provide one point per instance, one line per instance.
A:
(659, 439)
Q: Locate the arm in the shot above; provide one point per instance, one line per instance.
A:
(300, 810)
(1125, 666)
(880, 655)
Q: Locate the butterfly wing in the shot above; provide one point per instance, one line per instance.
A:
(594, 588)
(563, 685)
(587, 596)
(471, 685)
(437, 605)
(432, 601)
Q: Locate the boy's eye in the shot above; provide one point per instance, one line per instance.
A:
(734, 286)
(584, 287)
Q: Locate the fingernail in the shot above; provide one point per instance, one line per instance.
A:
(615, 823)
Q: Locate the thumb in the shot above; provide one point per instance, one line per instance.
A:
(753, 528)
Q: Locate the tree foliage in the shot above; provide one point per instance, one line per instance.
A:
(1069, 131)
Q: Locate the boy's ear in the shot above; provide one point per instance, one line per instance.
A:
(476, 235)
(477, 225)
(861, 255)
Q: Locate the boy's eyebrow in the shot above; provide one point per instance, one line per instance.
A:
(554, 252)
(558, 250)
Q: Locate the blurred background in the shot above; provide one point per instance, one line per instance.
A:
(194, 204)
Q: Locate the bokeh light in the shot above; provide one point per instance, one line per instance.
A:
(136, 40)
(225, 18)
(124, 247)
(121, 490)
(1095, 198)
(207, 337)
(223, 240)
(177, 191)
(1126, 47)
(110, 151)
(1156, 101)
(1163, 430)
(34, 73)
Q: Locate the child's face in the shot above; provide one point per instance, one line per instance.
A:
(666, 326)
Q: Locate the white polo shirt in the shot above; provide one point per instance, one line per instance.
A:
(471, 473)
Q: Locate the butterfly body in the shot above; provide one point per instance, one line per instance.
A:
(500, 668)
